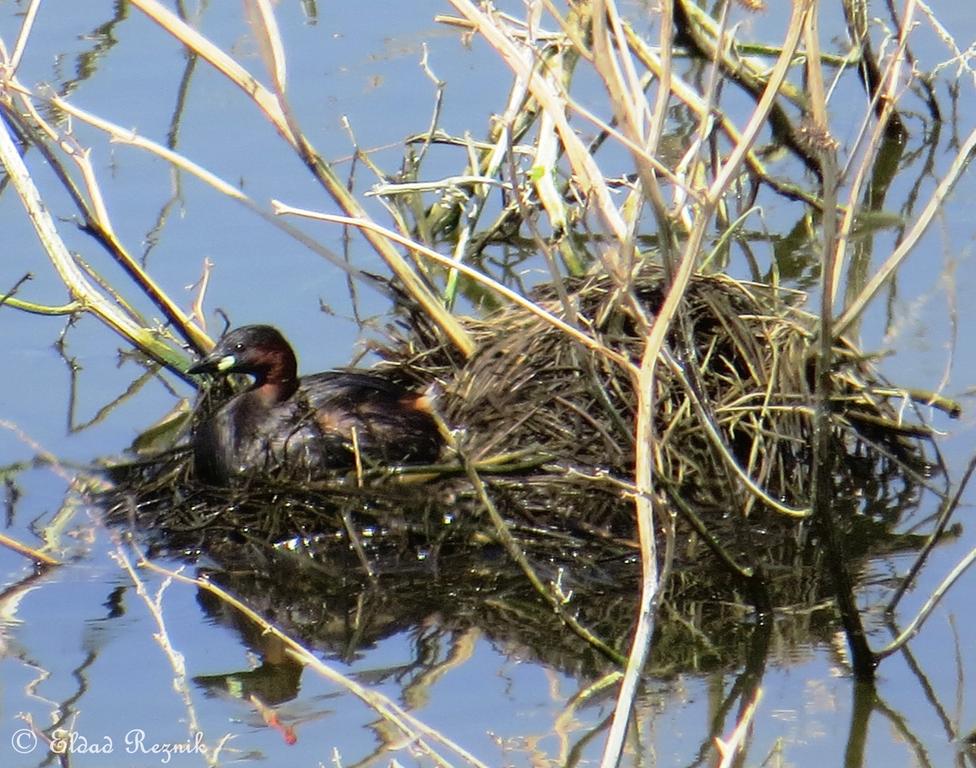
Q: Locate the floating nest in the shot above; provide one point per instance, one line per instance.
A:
(733, 433)
(734, 404)
(544, 433)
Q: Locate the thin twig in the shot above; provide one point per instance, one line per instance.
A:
(22, 549)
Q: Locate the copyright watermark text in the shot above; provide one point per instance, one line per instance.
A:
(135, 741)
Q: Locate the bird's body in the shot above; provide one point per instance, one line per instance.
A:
(300, 428)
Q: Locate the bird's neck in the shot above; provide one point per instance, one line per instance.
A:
(278, 381)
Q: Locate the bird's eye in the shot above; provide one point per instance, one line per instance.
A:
(239, 346)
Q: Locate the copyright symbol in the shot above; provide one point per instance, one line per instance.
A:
(24, 741)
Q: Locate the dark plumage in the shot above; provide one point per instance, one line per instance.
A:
(283, 425)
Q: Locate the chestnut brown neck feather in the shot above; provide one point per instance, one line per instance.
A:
(276, 376)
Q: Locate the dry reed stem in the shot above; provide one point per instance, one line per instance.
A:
(945, 515)
(729, 748)
(82, 290)
(716, 190)
(659, 117)
(29, 552)
(694, 22)
(129, 137)
(887, 93)
(760, 114)
(742, 65)
(553, 102)
(930, 605)
(13, 62)
(96, 219)
(650, 573)
(824, 457)
(155, 606)
(635, 149)
(690, 97)
(615, 66)
(265, 28)
(613, 61)
(888, 269)
(574, 333)
(272, 108)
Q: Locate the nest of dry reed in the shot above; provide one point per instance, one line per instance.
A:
(548, 425)
(734, 399)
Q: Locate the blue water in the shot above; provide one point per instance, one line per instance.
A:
(79, 644)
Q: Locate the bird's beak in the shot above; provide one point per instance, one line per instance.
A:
(213, 364)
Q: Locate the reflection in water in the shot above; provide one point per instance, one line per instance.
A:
(443, 583)
(103, 39)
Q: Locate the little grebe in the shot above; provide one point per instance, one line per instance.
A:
(301, 427)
